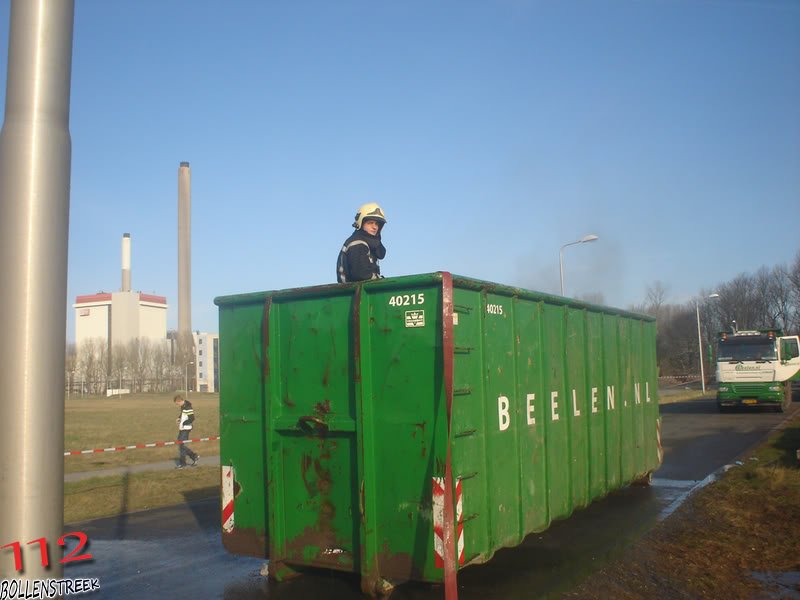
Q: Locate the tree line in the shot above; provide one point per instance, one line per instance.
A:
(141, 365)
(766, 299)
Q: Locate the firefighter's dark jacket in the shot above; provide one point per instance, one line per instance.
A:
(359, 256)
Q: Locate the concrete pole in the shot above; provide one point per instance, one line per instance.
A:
(35, 153)
(700, 348)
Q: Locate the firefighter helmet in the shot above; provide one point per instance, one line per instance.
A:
(371, 210)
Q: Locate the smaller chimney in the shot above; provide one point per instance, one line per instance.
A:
(126, 262)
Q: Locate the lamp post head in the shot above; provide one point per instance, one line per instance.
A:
(587, 238)
(714, 295)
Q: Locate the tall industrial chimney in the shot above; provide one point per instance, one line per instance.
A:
(185, 262)
(126, 262)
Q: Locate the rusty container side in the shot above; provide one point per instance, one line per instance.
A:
(555, 406)
(371, 394)
(242, 424)
(349, 382)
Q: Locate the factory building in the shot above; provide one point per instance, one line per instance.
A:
(206, 361)
(107, 321)
(119, 317)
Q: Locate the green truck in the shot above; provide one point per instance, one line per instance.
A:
(406, 428)
(756, 368)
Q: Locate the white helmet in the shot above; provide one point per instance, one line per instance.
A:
(371, 210)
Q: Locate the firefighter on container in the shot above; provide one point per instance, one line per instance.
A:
(359, 256)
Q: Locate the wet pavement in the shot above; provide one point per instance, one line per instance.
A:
(176, 551)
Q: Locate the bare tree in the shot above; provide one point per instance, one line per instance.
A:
(70, 365)
(119, 363)
(740, 302)
(676, 342)
(656, 295)
(770, 298)
(160, 367)
(92, 357)
(86, 358)
(779, 298)
(793, 276)
(137, 353)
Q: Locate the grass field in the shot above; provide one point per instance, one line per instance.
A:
(108, 496)
(99, 422)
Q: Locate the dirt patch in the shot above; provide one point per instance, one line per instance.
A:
(736, 538)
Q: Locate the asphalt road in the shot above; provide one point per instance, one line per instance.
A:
(176, 552)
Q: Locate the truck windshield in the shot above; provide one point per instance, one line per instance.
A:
(750, 350)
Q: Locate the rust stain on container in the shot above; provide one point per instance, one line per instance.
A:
(246, 542)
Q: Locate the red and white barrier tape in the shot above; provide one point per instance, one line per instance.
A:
(136, 446)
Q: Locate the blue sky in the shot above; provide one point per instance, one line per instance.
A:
(492, 133)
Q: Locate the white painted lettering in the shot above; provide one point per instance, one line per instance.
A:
(594, 400)
(575, 409)
(554, 405)
(647, 391)
(637, 395)
(502, 413)
(610, 397)
(531, 418)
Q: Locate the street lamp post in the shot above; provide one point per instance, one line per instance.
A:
(186, 377)
(700, 342)
(587, 238)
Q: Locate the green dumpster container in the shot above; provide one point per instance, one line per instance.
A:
(404, 428)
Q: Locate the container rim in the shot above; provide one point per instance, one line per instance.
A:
(406, 281)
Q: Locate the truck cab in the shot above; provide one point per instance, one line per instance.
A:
(756, 368)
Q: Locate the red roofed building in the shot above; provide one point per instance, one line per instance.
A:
(115, 319)
(118, 317)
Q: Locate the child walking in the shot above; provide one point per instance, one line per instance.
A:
(184, 423)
